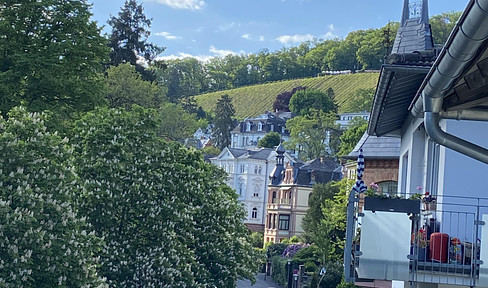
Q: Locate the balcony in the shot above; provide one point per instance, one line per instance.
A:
(280, 204)
(446, 243)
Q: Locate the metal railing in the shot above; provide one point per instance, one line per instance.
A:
(445, 241)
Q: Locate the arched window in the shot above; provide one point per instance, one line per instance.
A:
(260, 126)
(254, 213)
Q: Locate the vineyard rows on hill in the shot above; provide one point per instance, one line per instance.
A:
(253, 100)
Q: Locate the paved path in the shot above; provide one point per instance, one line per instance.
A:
(260, 282)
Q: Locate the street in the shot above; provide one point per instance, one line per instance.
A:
(260, 282)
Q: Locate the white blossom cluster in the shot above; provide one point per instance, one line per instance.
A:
(114, 207)
(43, 243)
(167, 217)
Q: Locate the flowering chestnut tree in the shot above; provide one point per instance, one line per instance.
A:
(43, 243)
(167, 218)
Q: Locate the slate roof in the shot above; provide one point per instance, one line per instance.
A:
(414, 33)
(376, 148)
(316, 171)
(403, 73)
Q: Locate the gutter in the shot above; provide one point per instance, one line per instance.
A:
(461, 49)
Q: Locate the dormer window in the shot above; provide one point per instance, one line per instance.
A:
(282, 129)
(272, 127)
(248, 126)
(260, 126)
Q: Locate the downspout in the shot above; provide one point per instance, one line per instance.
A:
(461, 47)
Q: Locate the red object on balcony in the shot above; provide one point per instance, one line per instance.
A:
(439, 247)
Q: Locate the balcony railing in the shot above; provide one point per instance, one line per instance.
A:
(281, 201)
(441, 244)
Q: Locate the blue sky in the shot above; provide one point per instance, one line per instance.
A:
(209, 28)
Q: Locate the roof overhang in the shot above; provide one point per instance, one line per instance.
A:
(397, 87)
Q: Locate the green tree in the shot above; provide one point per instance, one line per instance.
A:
(315, 215)
(211, 150)
(158, 205)
(125, 87)
(442, 25)
(128, 39)
(51, 57)
(44, 242)
(270, 140)
(183, 78)
(310, 133)
(303, 100)
(224, 110)
(361, 100)
(350, 138)
(176, 124)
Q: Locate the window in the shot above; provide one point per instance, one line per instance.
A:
(241, 188)
(257, 169)
(242, 168)
(248, 126)
(260, 126)
(272, 127)
(389, 187)
(282, 129)
(254, 213)
(257, 187)
(284, 222)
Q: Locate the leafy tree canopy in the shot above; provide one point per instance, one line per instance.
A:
(158, 205)
(224, 111)
(176, 123)
(442, 25)
(44, 243)
(310, 134)
(302, 101)
(128, 39)
(282, 101)
(125, 87)
(51, 57)
(270, 140)
(352, 135)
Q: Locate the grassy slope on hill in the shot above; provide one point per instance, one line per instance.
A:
(254, 100)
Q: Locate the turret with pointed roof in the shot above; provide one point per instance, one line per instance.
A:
(277, 174)
(414, 33)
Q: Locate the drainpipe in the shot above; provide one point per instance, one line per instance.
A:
(460, 49)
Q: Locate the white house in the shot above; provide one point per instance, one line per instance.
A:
(345, 118)
(248, 171)
(248, 133)
(437, 103)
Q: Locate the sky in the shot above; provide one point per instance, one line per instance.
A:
(213, 28)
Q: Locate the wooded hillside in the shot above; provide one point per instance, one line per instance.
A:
(256, 99)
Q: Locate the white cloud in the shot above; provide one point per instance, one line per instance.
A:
(181, 55)
(331, 27)
(292, 39)
(329, 35)
(167, 35)
(227, 27)
(204, 58)
(183, 4)
(246, 36)
(220, 53)
(261, 38)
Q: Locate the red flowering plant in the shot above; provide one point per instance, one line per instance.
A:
(419, 238)
(427, 198)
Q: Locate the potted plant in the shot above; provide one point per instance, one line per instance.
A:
(419, 244)
(429, 202)
(389, 203)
